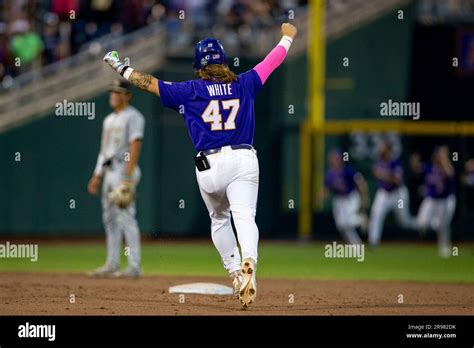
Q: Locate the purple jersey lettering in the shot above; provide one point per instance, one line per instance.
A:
(216, 114)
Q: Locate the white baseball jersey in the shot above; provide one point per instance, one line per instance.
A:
(118, 131)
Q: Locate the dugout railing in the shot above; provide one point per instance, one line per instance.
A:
(78, 77)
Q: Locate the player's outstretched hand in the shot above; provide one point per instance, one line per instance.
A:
(113, 60)
(288, 30)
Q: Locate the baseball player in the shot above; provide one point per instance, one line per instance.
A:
(468, 176)
(122, 134)
(218, 110)
(348, 189)
(437, 208)
(391, 195)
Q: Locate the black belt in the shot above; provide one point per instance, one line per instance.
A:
(233, 147)
(108, 163)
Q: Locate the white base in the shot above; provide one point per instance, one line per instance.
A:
(201, 288)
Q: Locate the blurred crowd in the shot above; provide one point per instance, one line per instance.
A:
(39, 32)
(433, 11)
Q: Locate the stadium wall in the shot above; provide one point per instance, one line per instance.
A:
(58, 153)
(48, 162)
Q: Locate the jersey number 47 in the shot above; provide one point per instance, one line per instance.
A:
(212, 114)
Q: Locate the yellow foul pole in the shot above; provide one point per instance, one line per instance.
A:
(311, 171)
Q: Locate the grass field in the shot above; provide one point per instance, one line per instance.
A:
(401, 262)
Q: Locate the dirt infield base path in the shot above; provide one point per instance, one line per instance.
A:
(49, 294)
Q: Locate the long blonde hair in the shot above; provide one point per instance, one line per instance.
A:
(219, 73)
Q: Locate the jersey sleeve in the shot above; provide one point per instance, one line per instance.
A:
(397, 169)
(272, 61)
(351, 175)
(174, 94)
(327, 180)
(251, 82)
(136, 127)
(425, 168)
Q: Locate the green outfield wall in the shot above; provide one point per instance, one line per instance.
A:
(46, 164)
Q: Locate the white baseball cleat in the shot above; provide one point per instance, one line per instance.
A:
(237, 282)
(248, 288)
(129, 272)
(444, 252)
(103, 272)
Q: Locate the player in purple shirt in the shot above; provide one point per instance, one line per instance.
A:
(391, 195)
(348, 189)
(218, 109)
(437, 208)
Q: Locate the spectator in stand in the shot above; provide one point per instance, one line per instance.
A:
(44, 32)
(25, 46)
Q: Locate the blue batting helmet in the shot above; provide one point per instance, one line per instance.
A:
(209, 51)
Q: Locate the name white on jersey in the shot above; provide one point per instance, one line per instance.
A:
(219, 89)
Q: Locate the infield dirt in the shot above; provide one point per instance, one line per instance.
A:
(50, 294)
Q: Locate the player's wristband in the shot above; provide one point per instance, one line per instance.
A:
(126, 177)
(286, 42)
(126, 72)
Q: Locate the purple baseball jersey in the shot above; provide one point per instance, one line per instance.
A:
(437, 183)
(340, 182)
(390, 168)
(216, 114)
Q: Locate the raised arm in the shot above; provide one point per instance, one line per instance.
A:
(141, 80)
(446, 164)
(416, 164)
(278, 54)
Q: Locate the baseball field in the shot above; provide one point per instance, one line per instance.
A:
(293, 279)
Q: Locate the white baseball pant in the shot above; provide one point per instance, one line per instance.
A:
(347, 217)
(384, 202)
(230, 186)
(118, 222)
(437, 213)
